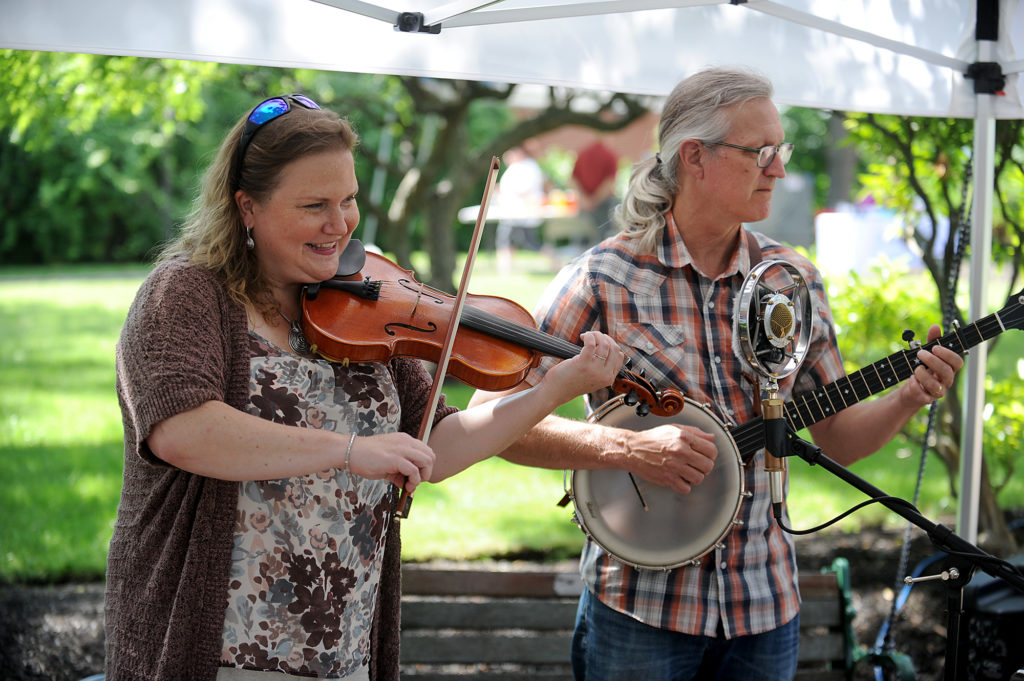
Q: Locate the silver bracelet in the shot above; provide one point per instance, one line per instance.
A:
(348, 453)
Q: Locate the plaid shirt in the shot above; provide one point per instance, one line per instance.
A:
(677, 326)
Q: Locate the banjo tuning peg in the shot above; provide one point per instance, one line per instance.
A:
(908, 337)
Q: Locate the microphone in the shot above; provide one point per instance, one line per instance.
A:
(777, 323)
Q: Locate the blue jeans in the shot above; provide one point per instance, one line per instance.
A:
(609, 646)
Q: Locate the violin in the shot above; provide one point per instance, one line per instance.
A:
(381, 312)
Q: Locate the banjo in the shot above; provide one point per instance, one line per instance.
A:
(653, 527)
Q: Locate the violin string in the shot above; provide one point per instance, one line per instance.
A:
(531, 338)
(535, 340)
(492, 325)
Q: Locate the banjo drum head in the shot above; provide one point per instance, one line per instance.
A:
(674, 529)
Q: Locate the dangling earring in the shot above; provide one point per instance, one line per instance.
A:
(249, 243)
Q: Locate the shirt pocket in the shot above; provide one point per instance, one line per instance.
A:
(659, 349)
(649, 338)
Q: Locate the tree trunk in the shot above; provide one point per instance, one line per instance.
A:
(993, 530)
(440, 245)
(841, 160)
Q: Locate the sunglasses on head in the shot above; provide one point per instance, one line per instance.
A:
(263, 113)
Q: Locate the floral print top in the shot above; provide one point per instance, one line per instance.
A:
(307, 552)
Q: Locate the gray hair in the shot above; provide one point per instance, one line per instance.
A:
(696, 109)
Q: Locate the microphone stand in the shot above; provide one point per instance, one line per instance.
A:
(964, 557)
(776, 447)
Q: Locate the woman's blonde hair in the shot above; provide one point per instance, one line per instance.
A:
(214, 235)
(696, 109)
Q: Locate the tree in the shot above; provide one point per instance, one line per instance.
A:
(453, 129)
(88, 153)
(100, 155)
(920, 168)
(822, 151)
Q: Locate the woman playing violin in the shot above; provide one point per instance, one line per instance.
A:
(254, 536)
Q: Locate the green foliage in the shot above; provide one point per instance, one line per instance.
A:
(90, 154)
(871, 313)
(1003, 435)
(808, 128)
(940, 149)
(100, 156)
(919, 167)
(1008, 223)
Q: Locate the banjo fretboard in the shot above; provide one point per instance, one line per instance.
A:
(808, 408)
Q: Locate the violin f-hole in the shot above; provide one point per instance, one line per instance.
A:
(430, 328)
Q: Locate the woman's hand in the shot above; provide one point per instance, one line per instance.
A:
(396, 457)
(596, 367)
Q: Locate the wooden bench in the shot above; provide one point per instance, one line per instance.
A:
(514, 623)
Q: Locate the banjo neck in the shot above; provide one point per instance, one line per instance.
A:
(816, 405)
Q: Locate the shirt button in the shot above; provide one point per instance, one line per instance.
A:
(723, 565)
(711, 305)
(718, 360)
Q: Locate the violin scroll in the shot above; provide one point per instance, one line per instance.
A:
(642, 393)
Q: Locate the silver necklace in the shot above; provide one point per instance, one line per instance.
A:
(296, 339)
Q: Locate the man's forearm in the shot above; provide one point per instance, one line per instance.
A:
(562, 443)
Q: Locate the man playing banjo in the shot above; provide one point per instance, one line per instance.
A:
(664, 288)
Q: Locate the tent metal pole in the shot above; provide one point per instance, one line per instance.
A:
(365, 9)
(981, 256)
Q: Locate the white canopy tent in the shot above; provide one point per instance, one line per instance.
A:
(906, 57)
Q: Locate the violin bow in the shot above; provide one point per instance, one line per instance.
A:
(405, 501)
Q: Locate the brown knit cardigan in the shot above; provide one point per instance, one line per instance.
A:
(185, 343)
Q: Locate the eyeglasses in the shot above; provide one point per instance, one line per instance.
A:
(263, 113)
(766, 154)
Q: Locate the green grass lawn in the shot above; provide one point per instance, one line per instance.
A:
(60, 444)
(60, 428)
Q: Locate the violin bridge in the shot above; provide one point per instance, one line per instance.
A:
(416, 304)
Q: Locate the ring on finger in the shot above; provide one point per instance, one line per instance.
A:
(600, 357)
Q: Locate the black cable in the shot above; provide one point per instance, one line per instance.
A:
(896, 500)
(992, 564)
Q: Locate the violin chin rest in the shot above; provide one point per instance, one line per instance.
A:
(352, 259)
